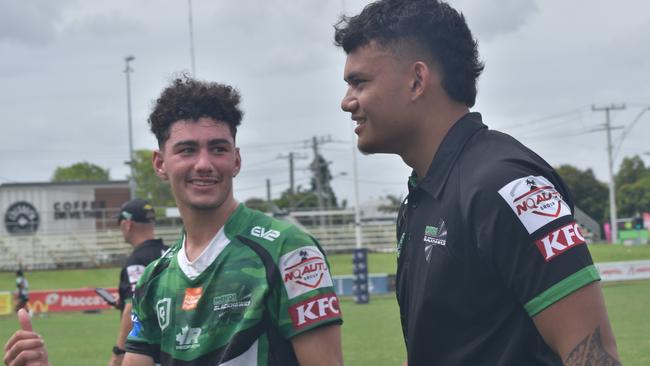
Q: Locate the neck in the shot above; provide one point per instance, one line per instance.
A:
(201, 225)
(140, 237)
(432, 130)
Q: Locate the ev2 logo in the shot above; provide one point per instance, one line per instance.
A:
(269, 235)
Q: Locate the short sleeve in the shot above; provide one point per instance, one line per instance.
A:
(527, 233)
(145, 336)
(306, 298)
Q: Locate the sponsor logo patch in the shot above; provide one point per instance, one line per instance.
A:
(303, 270)
(162, 312)
(137, 326)
(228, 302)
(434, 235)
(134, 273)
(535, 201)
(560, 240)
(314, 310)
(188, 338)
(269, 235)
(192, 297)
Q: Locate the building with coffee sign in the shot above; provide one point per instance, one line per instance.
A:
(42, 221)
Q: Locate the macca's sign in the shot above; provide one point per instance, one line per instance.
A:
(67, 300)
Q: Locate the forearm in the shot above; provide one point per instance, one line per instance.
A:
(125, 326)
(591, 351)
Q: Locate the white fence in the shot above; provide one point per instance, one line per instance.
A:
(107, 247)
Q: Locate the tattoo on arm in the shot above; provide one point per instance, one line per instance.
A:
(590, 352)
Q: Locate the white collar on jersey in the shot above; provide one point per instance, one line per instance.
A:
(193, 269)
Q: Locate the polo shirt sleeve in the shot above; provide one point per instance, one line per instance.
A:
(526, 232)
(305, 299)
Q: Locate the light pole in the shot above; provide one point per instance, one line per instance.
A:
(127, 71)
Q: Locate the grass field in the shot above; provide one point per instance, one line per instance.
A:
(371, 333)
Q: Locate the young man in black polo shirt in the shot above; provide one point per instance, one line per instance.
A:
(137, 219)
(492, 268)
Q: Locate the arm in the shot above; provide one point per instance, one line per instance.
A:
(320, 346)
(577, 328)
(125, 328)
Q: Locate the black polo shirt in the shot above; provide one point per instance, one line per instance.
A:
(486, 241)
(142, 255)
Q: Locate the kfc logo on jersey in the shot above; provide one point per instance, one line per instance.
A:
(303, 270)
(535, 201)
(314, 310)
(192, 297)
(560, 240)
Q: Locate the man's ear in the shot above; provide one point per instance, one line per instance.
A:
(237, 163)
(159, 164)
(421, 78)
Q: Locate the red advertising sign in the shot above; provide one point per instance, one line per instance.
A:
(50, 301)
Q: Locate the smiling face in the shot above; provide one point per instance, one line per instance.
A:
(378, 99)
(199, 159)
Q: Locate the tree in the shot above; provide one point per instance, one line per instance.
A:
(149, 185)
(320, 166)
(589, 194)
(392, 205)
(631, 171)
(257, 204)
(634, 198)
(79, 172)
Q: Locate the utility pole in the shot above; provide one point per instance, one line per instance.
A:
(291, 157)
(268, 194)
(319, 180)
(612, 186)
(318, 172)
(128, 70)
(191, 24)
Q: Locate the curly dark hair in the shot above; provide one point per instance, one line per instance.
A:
(190, 99)
(429, 25)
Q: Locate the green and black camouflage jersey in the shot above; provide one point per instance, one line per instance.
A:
(259, 283)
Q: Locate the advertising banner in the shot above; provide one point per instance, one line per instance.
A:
(68, 300)
(5, 302)
(623, 271)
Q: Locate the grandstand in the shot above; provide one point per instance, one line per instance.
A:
(105, 247)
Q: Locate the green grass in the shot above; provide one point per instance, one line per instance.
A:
(371, 333)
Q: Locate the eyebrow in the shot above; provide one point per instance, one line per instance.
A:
(196, 143)
(352, 76)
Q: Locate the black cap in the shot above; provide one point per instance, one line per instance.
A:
(137, 210)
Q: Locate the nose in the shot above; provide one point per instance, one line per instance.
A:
(203, 163)
(349, 103)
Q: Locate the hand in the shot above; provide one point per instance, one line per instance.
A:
(116, 360)
(25, 347)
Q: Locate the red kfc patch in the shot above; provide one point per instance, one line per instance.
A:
(559, 241)
(314, 310)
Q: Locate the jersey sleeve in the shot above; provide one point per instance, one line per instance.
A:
(145, 336)
(306, 298)
(527, 233)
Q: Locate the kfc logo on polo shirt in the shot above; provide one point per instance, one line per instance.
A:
(535, 201)
(303, 270)
(560, 240)
(314, 310)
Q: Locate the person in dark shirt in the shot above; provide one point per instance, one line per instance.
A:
(136, 219)
(492, 267)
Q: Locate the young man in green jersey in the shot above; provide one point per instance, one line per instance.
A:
(240, 288)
